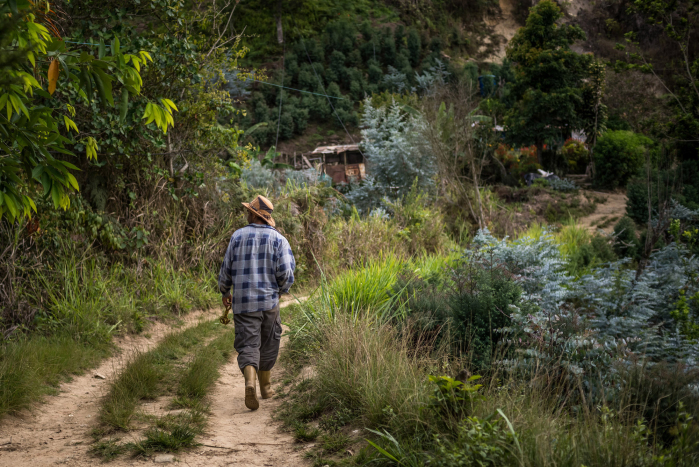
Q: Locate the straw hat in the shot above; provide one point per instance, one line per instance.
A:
(263, 208)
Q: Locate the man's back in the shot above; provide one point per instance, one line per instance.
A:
(259, 265)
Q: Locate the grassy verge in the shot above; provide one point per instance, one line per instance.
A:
(33, 366)
(83, 305)
(185, 366)
(385, 392)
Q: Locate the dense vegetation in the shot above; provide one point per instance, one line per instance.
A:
(457, 312)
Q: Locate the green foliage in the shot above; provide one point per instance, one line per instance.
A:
(30, 132)
(591, 254)
(478, 442)
(680, 183)
(454, 399)
(550, 77)
(626, 242)
(618, 156)
(686, 315)
(577, 155)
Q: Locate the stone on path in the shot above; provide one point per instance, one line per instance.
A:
(164, 458)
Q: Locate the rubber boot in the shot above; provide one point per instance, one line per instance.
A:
(265, 385)
(251, 401)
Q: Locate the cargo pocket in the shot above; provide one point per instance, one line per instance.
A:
(278, 327)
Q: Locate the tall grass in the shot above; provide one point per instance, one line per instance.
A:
(377, 375)
(32, 365)
(571, 237)
(203, 370)
(83, 303)
(373, 370)
(144, 373)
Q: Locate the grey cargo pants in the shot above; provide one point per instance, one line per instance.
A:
(257, 337)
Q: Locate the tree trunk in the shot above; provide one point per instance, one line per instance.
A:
(280, 32)
(540, 151)
(481, 219)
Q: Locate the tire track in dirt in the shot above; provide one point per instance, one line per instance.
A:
(58, 431)
(235, 435)
(608, 212)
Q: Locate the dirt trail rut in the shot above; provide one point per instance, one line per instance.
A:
(607, 214)
(58, 432)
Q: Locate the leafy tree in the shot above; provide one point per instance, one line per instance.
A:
(32, 137)
(337, 71)
(677, 74)
(375, 72)
(397, 157)
(548, 90)
(618, 157)
(414, 47)
(388, 47)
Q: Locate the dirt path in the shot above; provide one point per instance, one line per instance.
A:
(606, 214)
(58, 432)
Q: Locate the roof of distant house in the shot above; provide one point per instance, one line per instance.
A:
(336, 149)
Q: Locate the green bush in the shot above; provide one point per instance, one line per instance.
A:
(588, 255)
(680, 184)
(618, 157)
(627, 244)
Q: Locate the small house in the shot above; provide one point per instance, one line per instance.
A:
(340, 163)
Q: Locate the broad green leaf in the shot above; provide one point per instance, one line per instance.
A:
(73, 182)
(70, 124)
(31, 203)
(56, 195)
(124, 104)
(69, 165)
(115, 46)
(105, 85)
(145, 56)
(169, 103)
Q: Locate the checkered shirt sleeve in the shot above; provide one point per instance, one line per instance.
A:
(259, 266)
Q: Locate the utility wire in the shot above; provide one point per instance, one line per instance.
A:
(325, 92)
(246, 79)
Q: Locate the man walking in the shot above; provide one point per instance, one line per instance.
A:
(260, 266)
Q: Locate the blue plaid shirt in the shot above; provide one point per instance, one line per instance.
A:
(259, 265)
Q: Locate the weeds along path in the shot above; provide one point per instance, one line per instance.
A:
(58, 431)
(607, 214)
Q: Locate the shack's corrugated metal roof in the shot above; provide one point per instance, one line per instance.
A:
(335, 149)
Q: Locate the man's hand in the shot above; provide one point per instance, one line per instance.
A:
(227, 300)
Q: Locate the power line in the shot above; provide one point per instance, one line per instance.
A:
(245, 80)
(329, 102)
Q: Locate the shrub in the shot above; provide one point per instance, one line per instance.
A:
(256, 176)
(680, 184)
(591, 254)
(562, 184)
(577, 155)
(618, 156)
(626, 244)
(478, 311)
(414, 47)
(396, 156)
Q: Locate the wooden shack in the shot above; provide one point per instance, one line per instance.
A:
(341, 163)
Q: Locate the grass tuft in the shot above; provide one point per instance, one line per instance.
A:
(303, 433)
